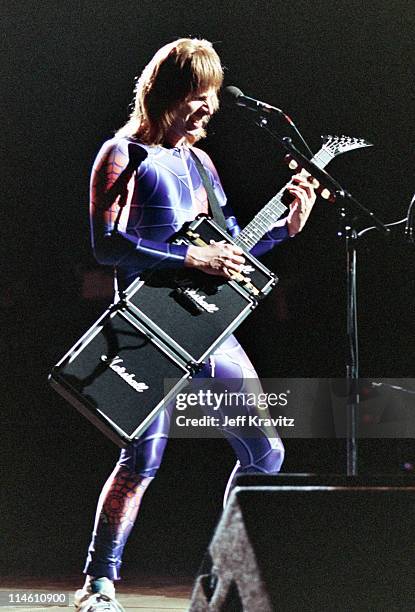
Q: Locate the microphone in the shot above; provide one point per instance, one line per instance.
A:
(233, 95)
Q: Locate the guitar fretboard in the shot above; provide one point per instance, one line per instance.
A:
(269, 215)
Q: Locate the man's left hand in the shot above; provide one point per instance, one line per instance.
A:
(303, 191)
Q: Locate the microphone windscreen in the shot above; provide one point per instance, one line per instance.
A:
(231, 94)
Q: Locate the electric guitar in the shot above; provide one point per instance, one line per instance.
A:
(192, 312)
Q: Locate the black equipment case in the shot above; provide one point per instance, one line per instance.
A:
(119, 375)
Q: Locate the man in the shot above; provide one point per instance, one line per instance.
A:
(144, 187)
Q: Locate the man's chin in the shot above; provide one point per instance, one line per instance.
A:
(198, 124)
(195, 126)
(195, 135)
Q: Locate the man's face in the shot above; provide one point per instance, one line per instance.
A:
(193, 114)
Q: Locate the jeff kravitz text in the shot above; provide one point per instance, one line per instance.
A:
(239, 421)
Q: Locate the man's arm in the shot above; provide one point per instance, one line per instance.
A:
(112, 186)
(289, 226)
(299, 211)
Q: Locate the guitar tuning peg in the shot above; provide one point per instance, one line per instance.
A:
(292, 164)
(327, 195)
(313, 181)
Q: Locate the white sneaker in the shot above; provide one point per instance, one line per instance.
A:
(97, 596)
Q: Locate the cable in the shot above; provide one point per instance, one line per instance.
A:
(367, 229)
(409, 220)
(409, 228)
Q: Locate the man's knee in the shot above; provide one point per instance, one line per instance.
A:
(143, 457)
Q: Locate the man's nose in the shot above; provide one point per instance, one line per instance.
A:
(208, 106)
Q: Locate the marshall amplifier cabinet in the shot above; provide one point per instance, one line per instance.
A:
(119, 375)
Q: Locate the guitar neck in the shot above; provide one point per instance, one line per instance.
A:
(265, 219)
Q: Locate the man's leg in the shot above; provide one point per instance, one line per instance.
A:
(259, 449)
(119, 503)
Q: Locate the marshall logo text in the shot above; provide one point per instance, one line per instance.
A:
(114, 364)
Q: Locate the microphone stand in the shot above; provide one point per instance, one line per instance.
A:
(351, 210)
(352, 361)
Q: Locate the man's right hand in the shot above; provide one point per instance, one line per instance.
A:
(218, 258)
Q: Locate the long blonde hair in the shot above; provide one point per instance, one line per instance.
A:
(177, 71)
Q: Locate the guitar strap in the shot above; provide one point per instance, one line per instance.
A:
(214, 205)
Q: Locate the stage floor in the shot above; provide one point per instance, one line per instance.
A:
(147, 594)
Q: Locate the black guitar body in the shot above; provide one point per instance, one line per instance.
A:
(193, 312)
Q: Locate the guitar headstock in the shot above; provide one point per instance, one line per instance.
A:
(336, 145)
(332, 146)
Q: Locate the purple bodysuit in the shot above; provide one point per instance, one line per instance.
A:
(140, 196)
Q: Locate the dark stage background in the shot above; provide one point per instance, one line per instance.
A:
(69, 68)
